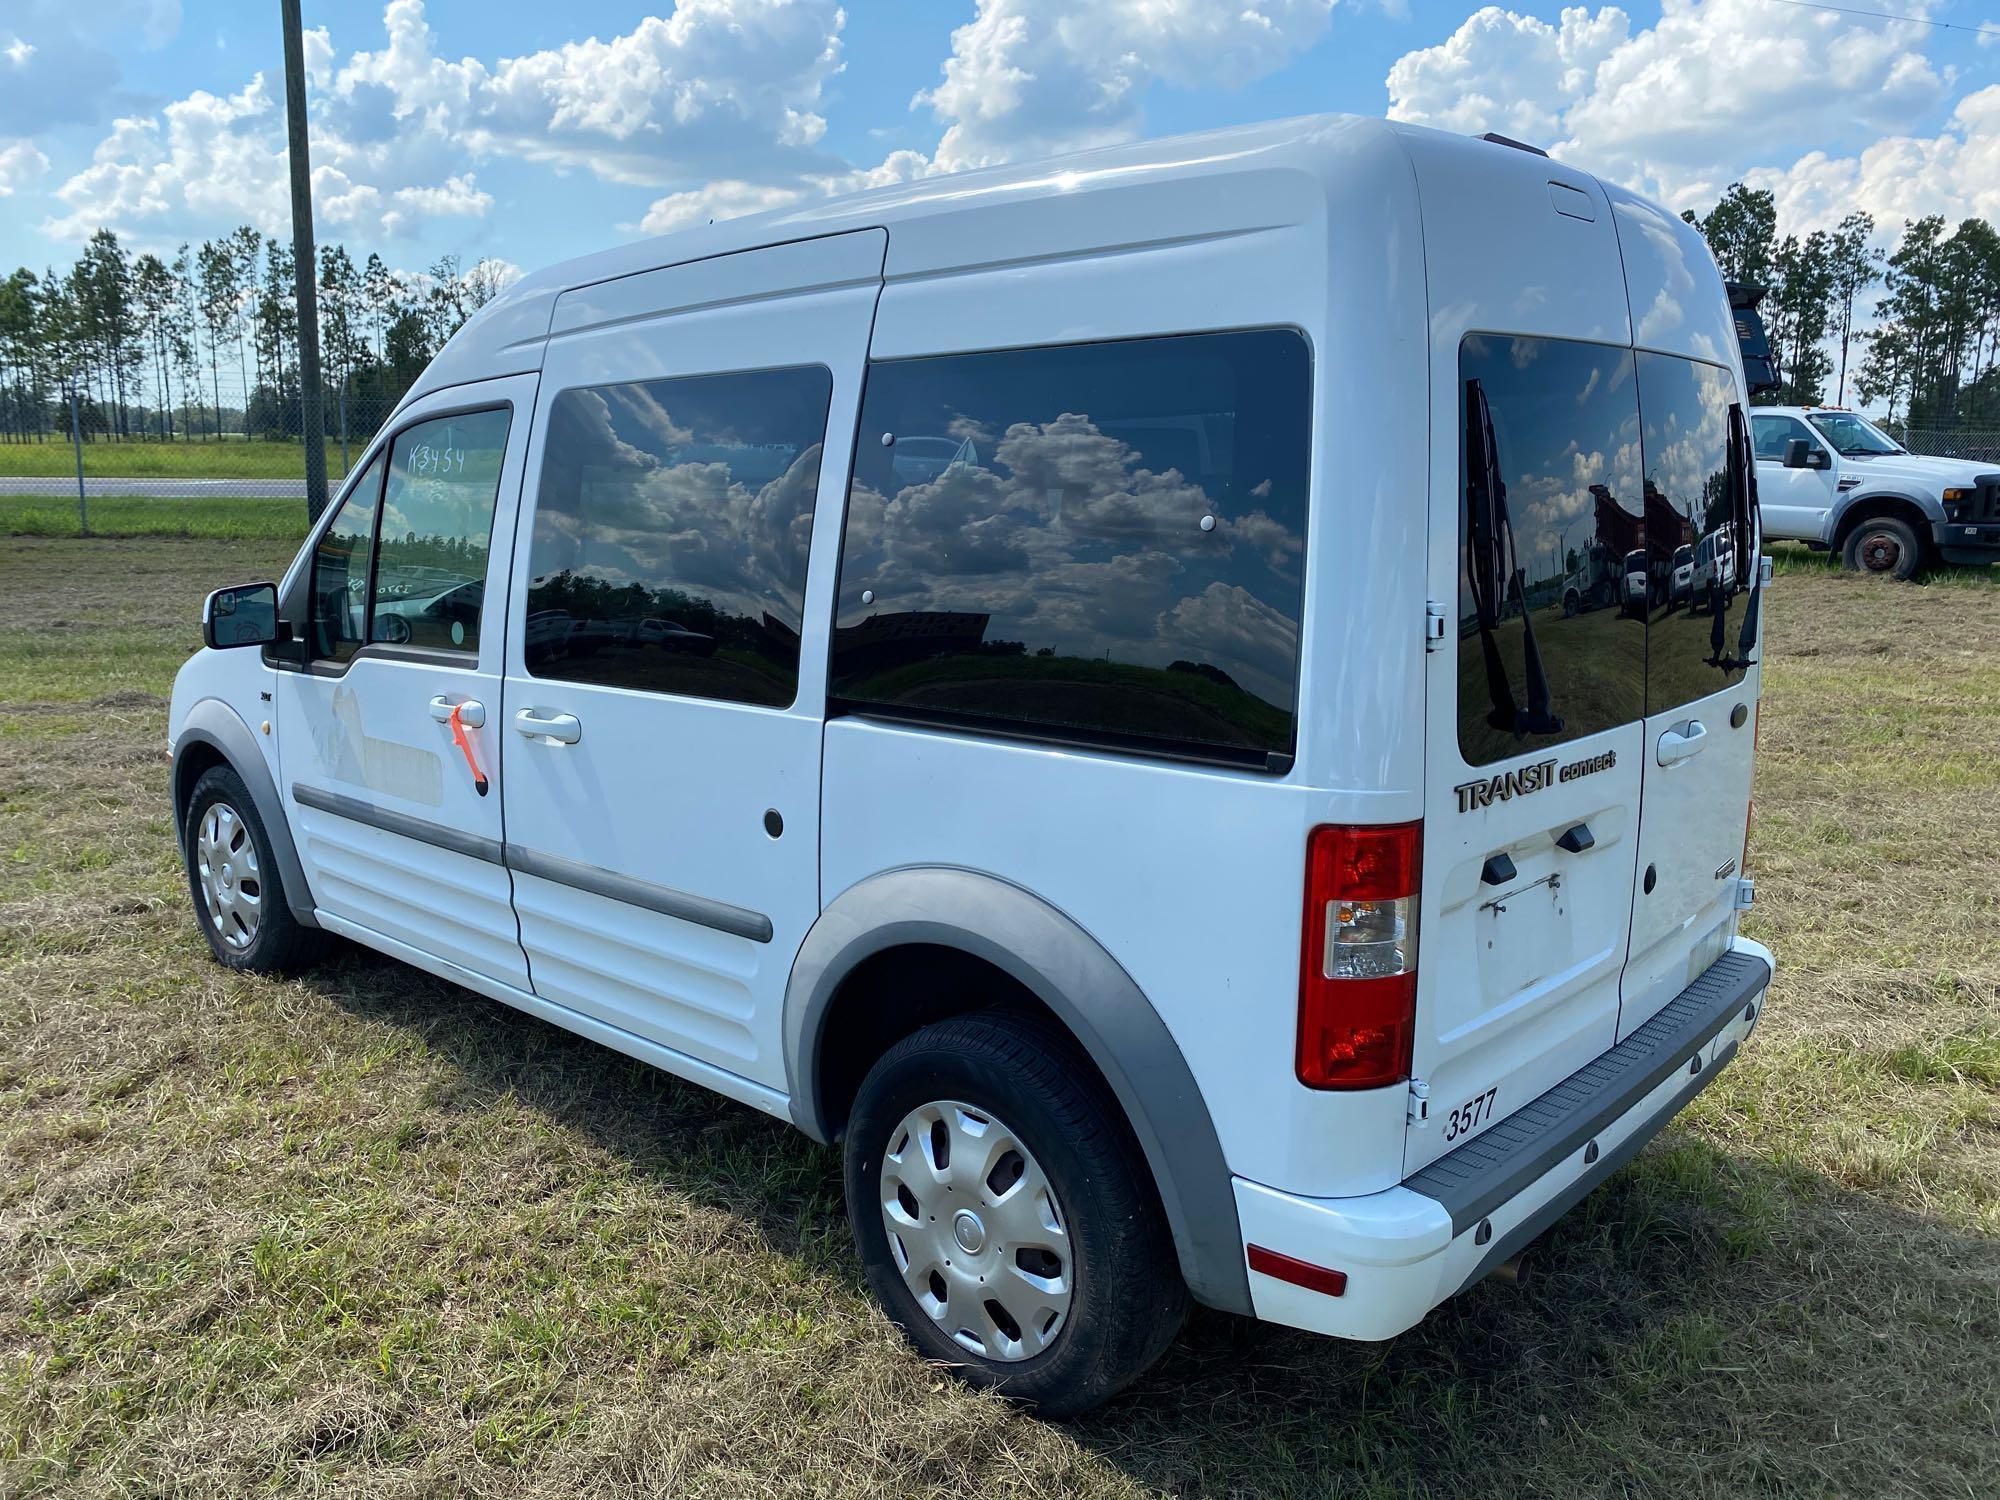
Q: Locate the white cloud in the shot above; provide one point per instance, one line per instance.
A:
(725, 90)
(1027, 78)
(724, 199)
(730, 198)
(1955, 173)
(1678, 109)
(17, 52)
(20, 164)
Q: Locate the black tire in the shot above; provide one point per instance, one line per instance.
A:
(279, 945)
(1127, 1300)
(1885, 546)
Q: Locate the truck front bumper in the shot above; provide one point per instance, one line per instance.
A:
(1967, 542)
(1413, 1246)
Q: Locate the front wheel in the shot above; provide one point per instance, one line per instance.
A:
(1005, 1216)
(239, 897)
(1885, 546)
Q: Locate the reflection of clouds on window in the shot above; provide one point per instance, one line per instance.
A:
(672, 528)
(1070, 526)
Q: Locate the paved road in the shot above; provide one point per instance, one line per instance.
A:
(169, 489)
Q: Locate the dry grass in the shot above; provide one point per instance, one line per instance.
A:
(365, 1233)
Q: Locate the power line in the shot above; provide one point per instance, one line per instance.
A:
(1883, 15)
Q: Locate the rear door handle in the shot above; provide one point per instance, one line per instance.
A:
(472, 713)
(564, 727)
(1678, 743)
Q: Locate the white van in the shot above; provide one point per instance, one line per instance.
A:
(1138, 788)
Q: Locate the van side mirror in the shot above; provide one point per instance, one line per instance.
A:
(1800, 454)
(245, 614)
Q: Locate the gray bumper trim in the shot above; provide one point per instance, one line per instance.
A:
(1492, 1168)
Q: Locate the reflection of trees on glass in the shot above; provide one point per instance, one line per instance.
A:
(1691, 510)
(340, 570)
(437, 524)
(671, 534)
(1101, 541)
(1558, 556)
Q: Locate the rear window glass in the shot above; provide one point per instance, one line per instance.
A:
(1553, 571)
(1693, 647)
(1099, 542)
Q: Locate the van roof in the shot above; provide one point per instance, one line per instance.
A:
(1328, 157)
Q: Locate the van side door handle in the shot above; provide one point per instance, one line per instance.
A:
(537, 726)
(472, 713)
(1682, 741)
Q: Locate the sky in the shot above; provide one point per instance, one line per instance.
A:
(529, 132)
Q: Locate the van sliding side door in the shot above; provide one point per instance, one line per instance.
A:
(666, 669)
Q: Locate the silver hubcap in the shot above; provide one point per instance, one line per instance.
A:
(232, 894)
(976, 1232)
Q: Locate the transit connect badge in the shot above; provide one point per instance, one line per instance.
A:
(1522, 780)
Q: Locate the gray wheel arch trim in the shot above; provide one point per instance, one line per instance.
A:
(1931, 507)
(214, 723)
(1085, 987)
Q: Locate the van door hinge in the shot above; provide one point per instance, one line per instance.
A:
(1433, 626)
(1420, 1103)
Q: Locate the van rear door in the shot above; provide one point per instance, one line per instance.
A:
(1532, 709)
(1534, 747)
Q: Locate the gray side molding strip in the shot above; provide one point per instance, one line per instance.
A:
(720, 915)
(357, 811)
(1085, 987)
(215, 724)
(1493, 1166)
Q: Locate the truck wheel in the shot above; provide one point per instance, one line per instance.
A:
(239, 898)
(1005, 1217)
(1885, 546)
(1570, 606)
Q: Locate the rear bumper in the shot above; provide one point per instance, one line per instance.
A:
(1409, 1248)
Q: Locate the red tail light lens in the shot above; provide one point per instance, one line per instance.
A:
(1358, 958)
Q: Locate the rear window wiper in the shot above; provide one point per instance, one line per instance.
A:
(1495, 574)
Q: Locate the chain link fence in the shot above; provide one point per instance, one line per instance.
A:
(133, 459)
(1975, 445)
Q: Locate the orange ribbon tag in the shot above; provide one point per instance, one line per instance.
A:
(458, 738)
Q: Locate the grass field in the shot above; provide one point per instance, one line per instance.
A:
(221, 519)
(365, 1233)
(198, 458)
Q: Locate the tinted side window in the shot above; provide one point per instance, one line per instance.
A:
(1553, 560)
(1771, 434)
(1692, 645)
(1097, 542)
(340, 571)
(437, 522)
(671, 534)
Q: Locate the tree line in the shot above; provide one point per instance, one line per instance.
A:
(1932, 356)
(148, 346)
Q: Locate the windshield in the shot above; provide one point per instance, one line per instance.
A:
(1854, 436)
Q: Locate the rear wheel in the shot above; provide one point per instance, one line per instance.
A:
(239, 897)
(1005, 1217)
(1884, 545)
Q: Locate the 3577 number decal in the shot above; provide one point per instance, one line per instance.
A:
(1470, 1115)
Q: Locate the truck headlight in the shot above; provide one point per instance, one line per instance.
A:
(1956, 504)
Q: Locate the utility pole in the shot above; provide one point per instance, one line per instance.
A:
(304, 261)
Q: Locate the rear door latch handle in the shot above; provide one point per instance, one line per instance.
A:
(1682, 741)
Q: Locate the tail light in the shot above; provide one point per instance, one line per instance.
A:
(1358, 964)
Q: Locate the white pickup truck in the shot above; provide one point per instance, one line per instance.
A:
(1834, 480)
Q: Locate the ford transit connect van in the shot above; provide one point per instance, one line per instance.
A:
(1058, 680)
